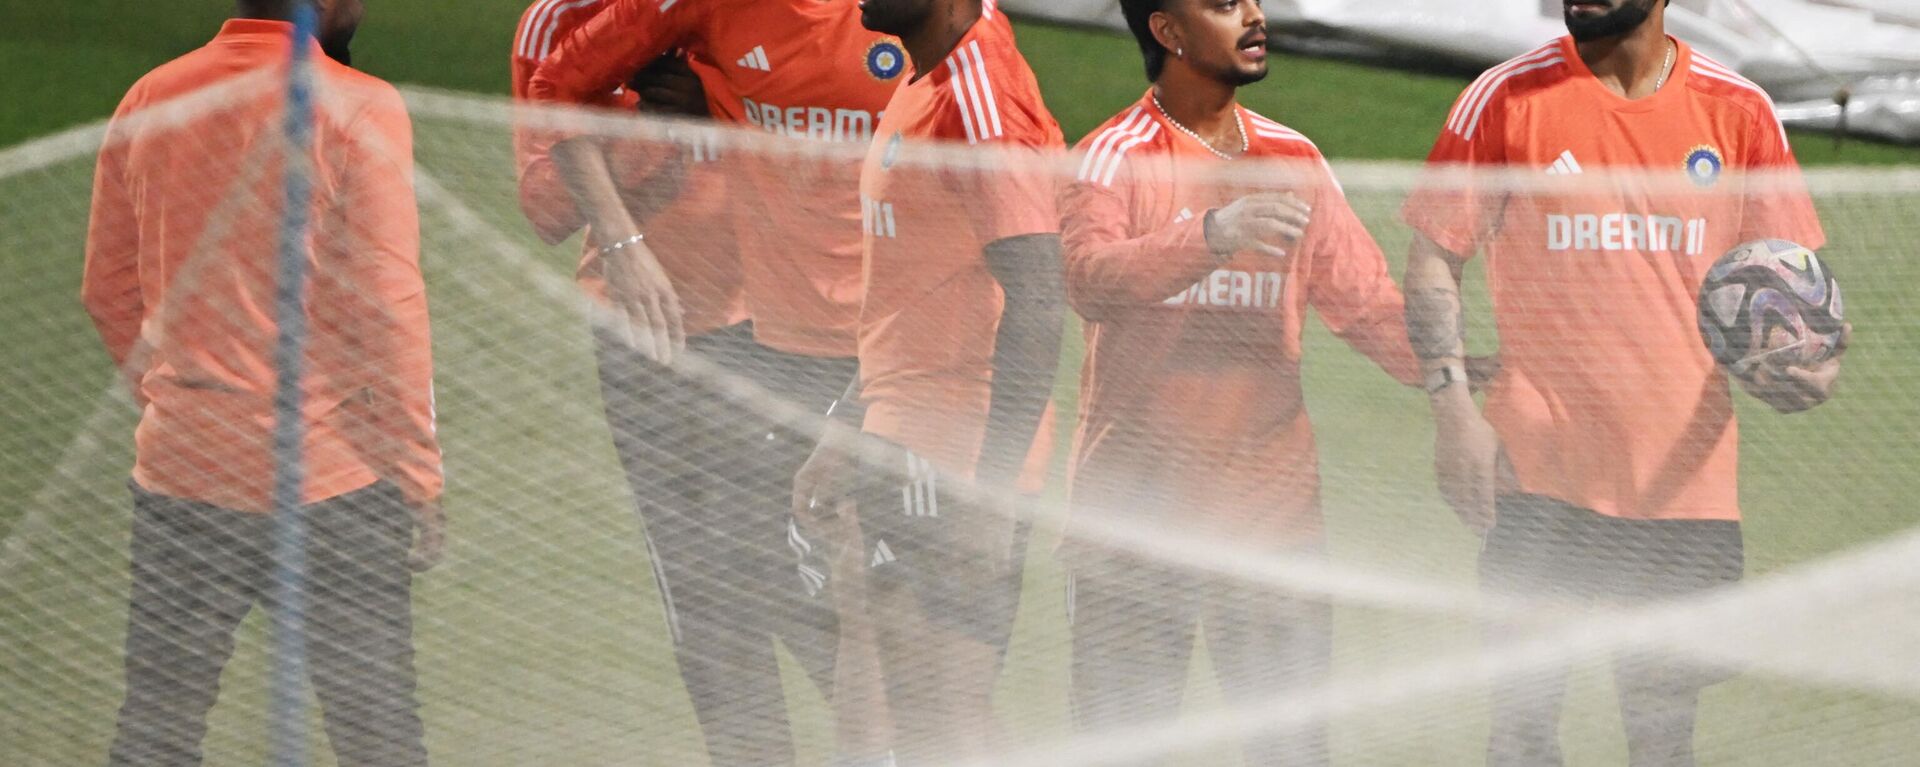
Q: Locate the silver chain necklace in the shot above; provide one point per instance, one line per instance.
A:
(1237, 121)
(1665, 69)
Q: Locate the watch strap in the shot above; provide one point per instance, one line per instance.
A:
(1438, 379)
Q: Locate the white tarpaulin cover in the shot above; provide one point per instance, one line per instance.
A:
(1803, 51)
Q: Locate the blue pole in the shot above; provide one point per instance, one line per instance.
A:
(287, 710)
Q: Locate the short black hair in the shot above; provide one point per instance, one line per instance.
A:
(1151, 51)
(265, 9)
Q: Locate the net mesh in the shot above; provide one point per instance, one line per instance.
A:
(581, 613)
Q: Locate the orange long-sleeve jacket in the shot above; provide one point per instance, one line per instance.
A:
(180, 276)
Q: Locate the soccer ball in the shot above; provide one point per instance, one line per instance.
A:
(1770, 300)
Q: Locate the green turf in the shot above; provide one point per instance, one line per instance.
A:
(1352, 111)
(541, 641)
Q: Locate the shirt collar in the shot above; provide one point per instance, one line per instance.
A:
(255, 28)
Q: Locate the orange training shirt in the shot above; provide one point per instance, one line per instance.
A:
(932, 308)
(1607, 398)
(799, 68)
(180, 274)
(690, 225)
(1191, 407)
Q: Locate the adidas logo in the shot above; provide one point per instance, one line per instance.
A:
(756, 59)
(881, 554)
(813, 579)
(1565, 165)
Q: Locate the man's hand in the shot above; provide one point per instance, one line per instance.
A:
(1481, 370)
(1466, 458)
(669, 86)
(636, 285)
(826, 479)
(639, 288)
(1793, 388)
(430, 541)
(1264, 223)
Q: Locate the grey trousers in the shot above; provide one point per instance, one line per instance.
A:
(712, 478)
(1545, 548)
(199, 569)
(1133, 633)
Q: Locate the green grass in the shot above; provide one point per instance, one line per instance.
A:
(541, 641)
(1351, 111)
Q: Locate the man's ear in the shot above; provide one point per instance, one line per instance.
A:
(1168, 33)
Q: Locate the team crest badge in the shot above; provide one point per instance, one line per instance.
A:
(892, 154)
(1704, 165)
(885, 60)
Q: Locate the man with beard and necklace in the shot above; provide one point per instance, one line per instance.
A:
(180, 282)
(959, 337)
(1603, 468)
(1195, 296)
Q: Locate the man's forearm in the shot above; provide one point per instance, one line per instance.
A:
(583, 167)
(1436, 328)
(1026, 351)
(1436, 319)
(847, 409)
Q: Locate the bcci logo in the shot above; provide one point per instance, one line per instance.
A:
(885, 60)
(1704, 166)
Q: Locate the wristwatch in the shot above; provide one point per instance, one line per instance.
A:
(1438, 379)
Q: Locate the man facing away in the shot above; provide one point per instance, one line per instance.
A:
(180, 280)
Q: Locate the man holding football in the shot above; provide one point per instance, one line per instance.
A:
(1603, 466)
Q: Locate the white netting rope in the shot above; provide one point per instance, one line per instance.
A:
(1830, 619)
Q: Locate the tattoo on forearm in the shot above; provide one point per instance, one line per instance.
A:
(1435, 322)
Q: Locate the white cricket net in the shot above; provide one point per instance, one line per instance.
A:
(1200, 581)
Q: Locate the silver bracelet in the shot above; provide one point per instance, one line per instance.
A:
(628, 242)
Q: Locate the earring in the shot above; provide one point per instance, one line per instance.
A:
(1179, 53)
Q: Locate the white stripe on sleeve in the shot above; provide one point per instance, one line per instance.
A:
(986, 90)
(1106, 139)
(1113, 166)
(960, 99)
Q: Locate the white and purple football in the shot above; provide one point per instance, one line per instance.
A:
(1770, 300)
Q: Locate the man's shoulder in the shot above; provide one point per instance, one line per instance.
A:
(1514, 80)
(1134, 121)
(181, 75)
(1720, 84)
(546, 22)
(1000, 54)
(355, 96)
(1270, 138)
(1543, 65)
(995, 95)
(358, 84)
(1133, 133)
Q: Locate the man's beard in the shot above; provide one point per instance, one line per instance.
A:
(894, 17)
(338, 47)
(1628, 17)
(1240, 77)
(338, 52)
